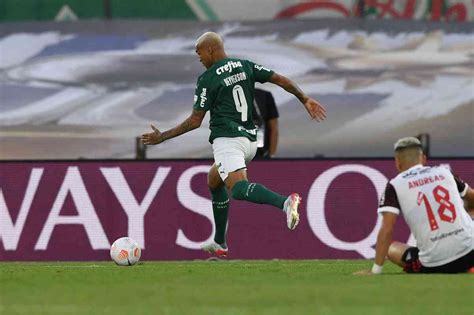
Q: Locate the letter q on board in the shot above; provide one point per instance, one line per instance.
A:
(317, 216)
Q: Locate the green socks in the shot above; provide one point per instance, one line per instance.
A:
(242, 190)
(257, 193)
(220, 208)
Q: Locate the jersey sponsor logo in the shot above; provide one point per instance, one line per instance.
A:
(410, 174)
(260, 68)
(425, 170)
(229, 67)
(444, 235)
(235, 78)
(250, 131)
(203, 97)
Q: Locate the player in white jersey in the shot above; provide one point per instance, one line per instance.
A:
(430, 199)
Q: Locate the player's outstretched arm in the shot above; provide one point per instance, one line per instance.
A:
(314, 108)
(192, 122)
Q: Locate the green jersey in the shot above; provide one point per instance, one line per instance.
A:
(227, 90)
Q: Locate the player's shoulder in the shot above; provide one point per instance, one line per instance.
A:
(411, 173)
(441, 169)
(241, 60)
(421, 171)
(207, 77)
(201, 77)
(238, 62)
(252, 64)
(206, 74)
(247, 64)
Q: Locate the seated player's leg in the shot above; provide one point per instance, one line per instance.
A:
(460, 265)
(405, 257)
(396, 252)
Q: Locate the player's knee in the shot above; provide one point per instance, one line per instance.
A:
(213, 180)
(392, 249)
(239, 190)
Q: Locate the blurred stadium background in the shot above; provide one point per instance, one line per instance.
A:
(80, 80)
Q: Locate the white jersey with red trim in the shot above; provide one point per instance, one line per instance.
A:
(430, 200)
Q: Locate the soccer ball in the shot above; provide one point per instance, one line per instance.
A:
(125, 252)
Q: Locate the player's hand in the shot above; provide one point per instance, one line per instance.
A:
(363, 273)
(154, 137)
(315, 109)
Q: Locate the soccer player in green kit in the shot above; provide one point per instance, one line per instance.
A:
(226, 89)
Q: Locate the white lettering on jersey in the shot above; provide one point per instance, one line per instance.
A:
(229, 67)
(203, 97)
(260, 68)
(251, 131)
(425, 180)
(432, 207)
(235, 78)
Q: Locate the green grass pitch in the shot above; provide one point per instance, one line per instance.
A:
(228, 287)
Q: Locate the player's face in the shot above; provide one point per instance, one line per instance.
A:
(205, 56)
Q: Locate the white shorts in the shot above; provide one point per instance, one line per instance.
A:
(232, 154)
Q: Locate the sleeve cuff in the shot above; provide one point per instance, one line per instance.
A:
(388, 209)
(267, 79)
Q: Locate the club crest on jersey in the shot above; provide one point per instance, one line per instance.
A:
(228, 67)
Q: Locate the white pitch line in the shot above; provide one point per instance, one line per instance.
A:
(64, 134)
(73, 266)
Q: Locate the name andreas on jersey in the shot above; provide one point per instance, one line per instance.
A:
(430, 200)
(226, 90)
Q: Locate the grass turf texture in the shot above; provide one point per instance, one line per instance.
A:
(228, 287)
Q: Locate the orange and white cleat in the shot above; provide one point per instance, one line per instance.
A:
(291, 209)
(216, 249)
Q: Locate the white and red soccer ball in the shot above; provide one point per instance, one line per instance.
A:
(125, 252)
